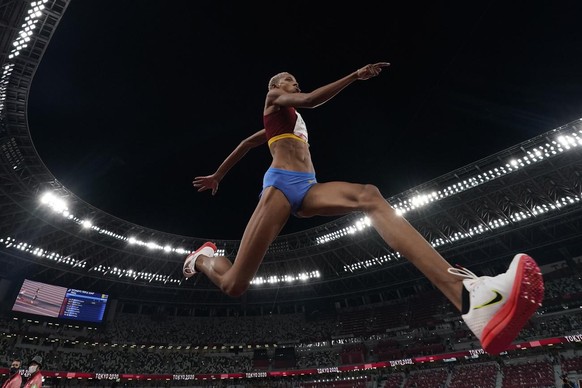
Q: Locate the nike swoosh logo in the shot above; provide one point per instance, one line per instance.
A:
(496, 299)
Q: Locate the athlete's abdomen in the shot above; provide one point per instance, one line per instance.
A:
(292, 155)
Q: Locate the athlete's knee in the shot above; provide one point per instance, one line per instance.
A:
(370, 197)
(235, 288)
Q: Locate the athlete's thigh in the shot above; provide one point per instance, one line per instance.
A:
(331, 199)
(269, 217)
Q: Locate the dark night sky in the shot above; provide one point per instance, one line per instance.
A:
(134, 98)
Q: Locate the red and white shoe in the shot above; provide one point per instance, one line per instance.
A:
(502, 305)
(189, 268)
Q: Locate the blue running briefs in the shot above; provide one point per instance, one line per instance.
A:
(293, 184)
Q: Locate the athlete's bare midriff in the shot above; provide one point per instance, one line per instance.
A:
(291, 155)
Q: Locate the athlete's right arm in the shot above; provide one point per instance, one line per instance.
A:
(211, 182)
(324, 93)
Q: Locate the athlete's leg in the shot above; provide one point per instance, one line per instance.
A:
(494, 308)
(269, 217)
(338, 198)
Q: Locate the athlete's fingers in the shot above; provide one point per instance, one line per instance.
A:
(200, 181)
(199, 184)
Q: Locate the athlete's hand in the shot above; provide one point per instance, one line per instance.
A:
(371, 70)
(208, 182)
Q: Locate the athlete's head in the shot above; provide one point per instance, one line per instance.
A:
(274, 81)
(285, 81)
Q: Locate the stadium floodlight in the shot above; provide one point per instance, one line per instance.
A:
(34, 13)
(287, 278)
(55, 203)
(10, 242)
(153, 245)
(358, 226)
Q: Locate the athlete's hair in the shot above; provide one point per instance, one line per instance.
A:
(274, 81)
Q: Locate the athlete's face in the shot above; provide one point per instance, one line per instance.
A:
(289, 84)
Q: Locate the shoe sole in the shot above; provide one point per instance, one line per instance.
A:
(526, 296)
(194, 256)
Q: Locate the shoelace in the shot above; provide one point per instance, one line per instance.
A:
(462, 272)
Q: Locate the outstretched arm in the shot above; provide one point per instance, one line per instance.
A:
(323, 93)
(211, 182)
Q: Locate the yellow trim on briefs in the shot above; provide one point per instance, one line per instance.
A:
(285, 136)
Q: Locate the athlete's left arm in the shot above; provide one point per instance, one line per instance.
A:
(211, 182)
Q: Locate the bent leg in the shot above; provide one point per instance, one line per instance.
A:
(269, 217)
(339, 198)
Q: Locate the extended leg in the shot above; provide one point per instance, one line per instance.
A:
(495, 308)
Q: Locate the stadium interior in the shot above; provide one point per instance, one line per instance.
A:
(331, 306)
